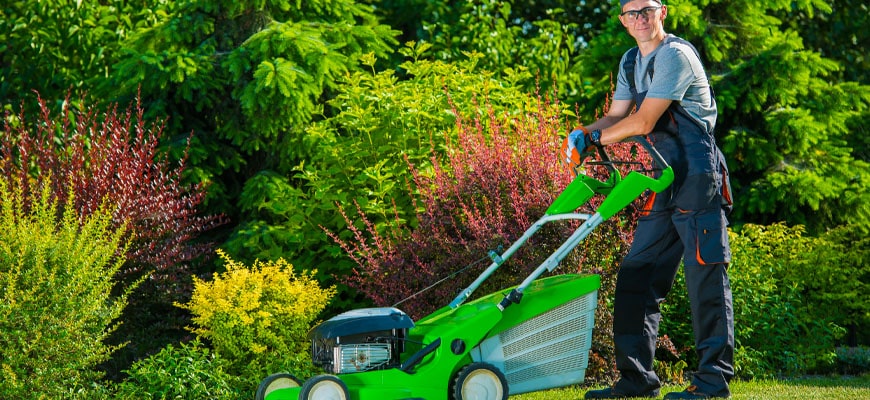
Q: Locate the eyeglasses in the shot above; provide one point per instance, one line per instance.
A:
(633, 15)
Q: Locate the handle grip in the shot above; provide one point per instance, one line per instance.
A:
(605, 160)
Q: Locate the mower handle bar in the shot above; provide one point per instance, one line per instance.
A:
(500, 259)
(591, 221)
(650, 149)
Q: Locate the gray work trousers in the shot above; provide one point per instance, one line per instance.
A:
(663, 238)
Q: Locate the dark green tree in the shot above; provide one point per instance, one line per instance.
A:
(839, 35)
(53, 45)
(246, 78)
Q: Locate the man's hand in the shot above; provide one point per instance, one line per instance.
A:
(578, 140)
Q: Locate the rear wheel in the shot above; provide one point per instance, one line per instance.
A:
(324, 387)
(281, 380)
(479, 381)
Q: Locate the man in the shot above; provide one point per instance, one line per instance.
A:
(663, 76)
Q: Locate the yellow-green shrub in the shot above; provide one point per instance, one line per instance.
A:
(56, 306)
(257, 317)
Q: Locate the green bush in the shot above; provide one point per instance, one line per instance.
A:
(854, 360)
(56, 309)
(257, 318)
(189, 371)
(378, 123)
(835, 278)
(772, 317)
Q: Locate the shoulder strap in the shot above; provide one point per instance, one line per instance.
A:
(628, 67)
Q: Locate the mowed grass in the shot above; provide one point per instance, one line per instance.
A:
(846, 387)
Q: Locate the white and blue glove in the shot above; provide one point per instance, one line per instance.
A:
(578, 143)
(578, 140)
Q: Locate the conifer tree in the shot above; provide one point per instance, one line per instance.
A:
(51, 46)
(245, 77)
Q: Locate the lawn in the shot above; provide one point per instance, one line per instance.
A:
(853, 387)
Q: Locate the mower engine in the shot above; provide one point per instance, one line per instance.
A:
(360, 340)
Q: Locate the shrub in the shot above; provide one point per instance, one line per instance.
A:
(772, 318)
(114, 156)
(482, 195)
(257, 318)
(56, 310)
(776, 314)
(834, 277)
(188, 371)
(854, 360)
(374, 123)
(96, 156)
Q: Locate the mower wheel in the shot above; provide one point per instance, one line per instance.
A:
(324, 387)
(479, 381)
(281, 380)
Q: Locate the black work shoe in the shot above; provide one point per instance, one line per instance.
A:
(608, 393)
(692, 392)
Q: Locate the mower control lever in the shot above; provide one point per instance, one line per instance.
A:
(411, 362)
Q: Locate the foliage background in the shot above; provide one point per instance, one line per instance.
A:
(285, 110)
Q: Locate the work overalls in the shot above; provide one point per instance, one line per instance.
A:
(687, 221)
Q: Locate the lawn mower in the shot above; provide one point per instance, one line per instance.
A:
(529, 337)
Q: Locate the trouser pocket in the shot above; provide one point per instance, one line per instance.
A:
(711, 238)
(704, 235)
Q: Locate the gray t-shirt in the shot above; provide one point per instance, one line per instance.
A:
(678, 76)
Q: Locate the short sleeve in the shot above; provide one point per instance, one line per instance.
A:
(673, 75)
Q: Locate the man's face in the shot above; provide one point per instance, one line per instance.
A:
(644, 19)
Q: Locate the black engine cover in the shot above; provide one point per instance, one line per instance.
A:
(361, 321)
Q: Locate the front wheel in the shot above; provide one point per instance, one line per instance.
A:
(479, 381)
(281, 380)
(324, 387)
